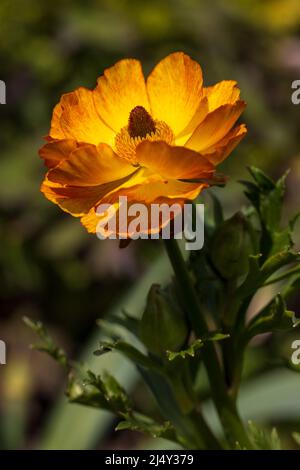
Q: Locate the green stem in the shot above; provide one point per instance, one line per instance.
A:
(209, 440)
(226, 407)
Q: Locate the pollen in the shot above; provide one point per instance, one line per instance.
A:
(140, 127)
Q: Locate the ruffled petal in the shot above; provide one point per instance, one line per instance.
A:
(224, 147)
(90, 165)
(91, 173)
(75, 117)
(146, 186)
(56, 151)
(119, 90)
(76, 200)
(224, 92)
(175, 90)
(173, 162)
(198, 117)
(56, 131)
(215, 126)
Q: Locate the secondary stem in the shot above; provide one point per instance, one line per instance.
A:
(226, 407)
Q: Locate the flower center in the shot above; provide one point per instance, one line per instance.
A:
(140, 123)
(140, 127)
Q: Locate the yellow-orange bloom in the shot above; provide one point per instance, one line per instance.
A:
(140, 139)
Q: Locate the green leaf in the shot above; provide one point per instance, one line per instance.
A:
(283, 240)
(263, 181)
(291, 287)
(232, 244)
(97, 391)
(47, 345)
(146, 425)
(124, 320)
(61, 430)
(273, 317)
(263, 439)
(132, 353)
(196, 345)
(267, 197)
(257, 275)
(296, 437)
(252, 280)
(191, 351)
(163, 325)
(276, 262)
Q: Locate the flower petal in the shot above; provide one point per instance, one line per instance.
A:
(224, 147)
(146, 186)
(75, 117)
(76, 200)
(56, 131)
(153, 224)
(119, 90)
(224, 92)
(215, 126)
(90, 165)
(198, 117)
(56, 151)
(90, 173)
(173, 162)
(175, 90)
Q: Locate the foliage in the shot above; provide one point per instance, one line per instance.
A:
(163, 345)
(50, 269)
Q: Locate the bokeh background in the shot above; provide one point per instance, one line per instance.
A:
(50, 268)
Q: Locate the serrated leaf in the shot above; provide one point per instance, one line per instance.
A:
(191, 351)
(196, 345)
(47, 345)
(97, 391)
(263, 439)
(143, 424)
(267, 198)
(264, 182)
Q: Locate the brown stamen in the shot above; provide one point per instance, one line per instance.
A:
(140, 122)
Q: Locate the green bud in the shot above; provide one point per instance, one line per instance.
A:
(232, 244)
(163, 325)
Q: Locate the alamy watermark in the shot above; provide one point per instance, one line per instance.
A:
(295, 97)
(136, 220)
(2, 352)
(2, 92)
(295, 358)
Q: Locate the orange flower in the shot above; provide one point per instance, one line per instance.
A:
(147, 140)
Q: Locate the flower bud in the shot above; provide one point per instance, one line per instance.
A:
(231, 246)
(163, 325)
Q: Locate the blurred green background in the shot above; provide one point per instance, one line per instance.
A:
(50, 268)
